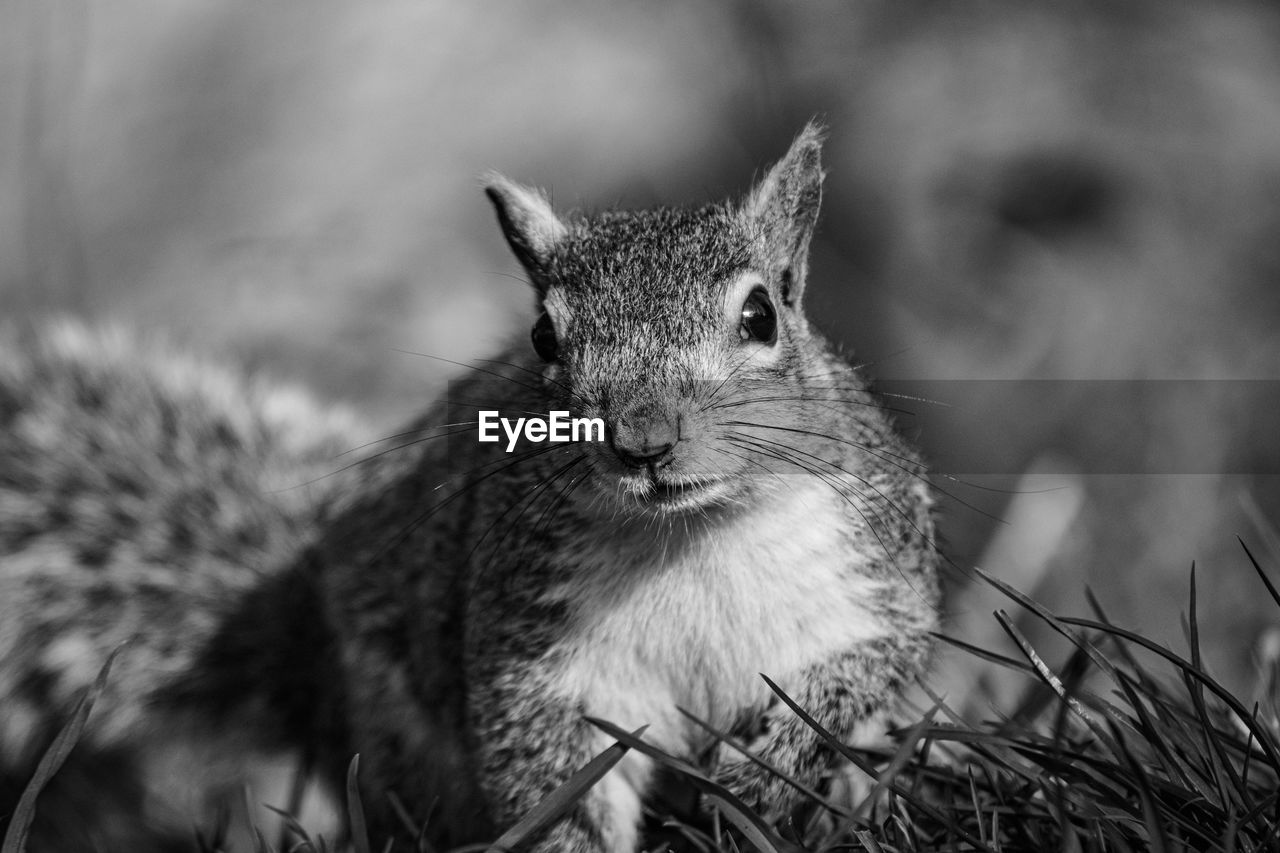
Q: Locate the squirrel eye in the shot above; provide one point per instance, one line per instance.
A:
(759, 322)
(544, 339)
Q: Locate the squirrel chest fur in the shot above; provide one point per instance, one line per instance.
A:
(692, 623)
(455, 610)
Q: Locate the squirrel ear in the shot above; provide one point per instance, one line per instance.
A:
(530, 225)
(783, 207)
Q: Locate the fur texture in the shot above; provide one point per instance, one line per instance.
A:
(142, 493)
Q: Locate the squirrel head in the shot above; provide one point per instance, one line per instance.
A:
(649, 319)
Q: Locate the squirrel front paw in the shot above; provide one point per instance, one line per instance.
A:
(788, 747)
(760, 788)
(781, 741)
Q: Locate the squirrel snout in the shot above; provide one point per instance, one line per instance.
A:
(643, 442)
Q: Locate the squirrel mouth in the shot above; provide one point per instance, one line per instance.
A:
(672, 497)
(674, 491)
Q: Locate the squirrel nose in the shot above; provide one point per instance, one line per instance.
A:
(644, 443)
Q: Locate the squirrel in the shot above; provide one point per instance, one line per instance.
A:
(452, 609)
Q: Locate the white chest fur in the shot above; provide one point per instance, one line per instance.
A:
(693, 621)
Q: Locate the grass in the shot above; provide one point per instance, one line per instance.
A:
(1160, 764)
(1111, 753)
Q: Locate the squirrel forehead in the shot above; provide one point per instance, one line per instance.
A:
(661, 253)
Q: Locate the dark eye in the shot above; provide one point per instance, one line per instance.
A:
(544, 339)
(759, 322)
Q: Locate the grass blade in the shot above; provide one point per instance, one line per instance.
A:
(1271, 588)
(355, 811)
(1146, 797)
(15, 838)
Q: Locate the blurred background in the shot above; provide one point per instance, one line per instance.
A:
(1061, 220)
